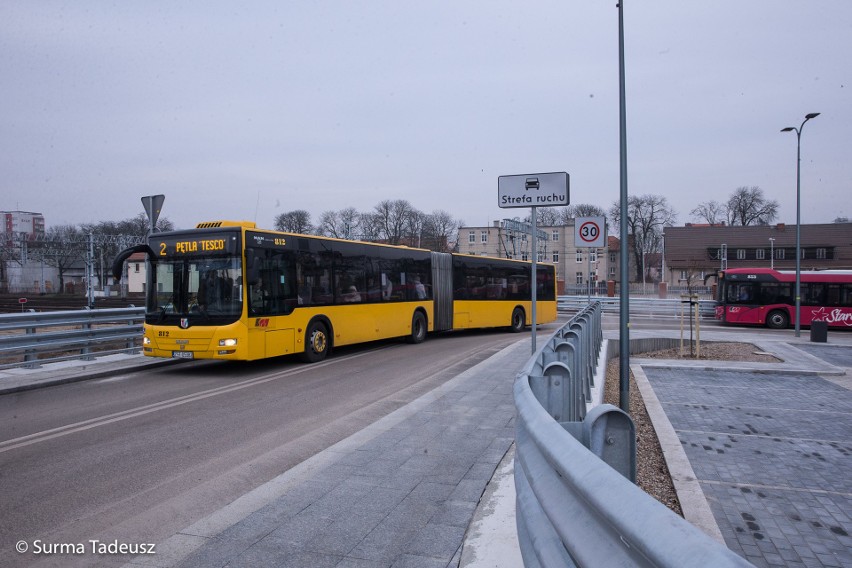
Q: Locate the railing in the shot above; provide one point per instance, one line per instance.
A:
(665, 307)
(31, 338)
(573, 509)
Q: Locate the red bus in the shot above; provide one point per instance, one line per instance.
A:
(762, 296)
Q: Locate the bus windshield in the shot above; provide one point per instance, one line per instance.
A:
(199, 290)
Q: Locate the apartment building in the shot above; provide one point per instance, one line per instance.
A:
(576, 267)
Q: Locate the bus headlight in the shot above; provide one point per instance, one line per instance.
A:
(146, 340)
(227, 342)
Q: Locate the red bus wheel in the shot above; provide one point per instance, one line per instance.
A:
(777, 319)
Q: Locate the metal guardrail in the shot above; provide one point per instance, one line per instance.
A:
(31, 338)
(573, 509)
(639, 306)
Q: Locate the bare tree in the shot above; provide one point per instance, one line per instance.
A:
(566, 215)
(647, 215)
(711, 212)
(370, 227)
(343, 224)
(298, 221)
(748, 206)
(414, 228)
(62, 247)
(585, 210)
(545, 217)
(393, 218)
(440, 230)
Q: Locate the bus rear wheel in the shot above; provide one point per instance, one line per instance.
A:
(418, 328)
(316, 343)
(777, 319)
(518, 321)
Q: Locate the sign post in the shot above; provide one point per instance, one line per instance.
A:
(153, 204)
(533, 190)
(590, 232)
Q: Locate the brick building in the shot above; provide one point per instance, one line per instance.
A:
(696, 252)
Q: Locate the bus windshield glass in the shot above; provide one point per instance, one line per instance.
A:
(198, 290)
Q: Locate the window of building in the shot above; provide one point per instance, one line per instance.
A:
(471, 237)
(579, 256)
(555, 257)
(593, 255)
(524, 256)
(779, 254)
(579, 278)
(820, 253)
(484, 237)
(741, 254)
(555, 236)
(612, 257)
(612, 272)
(760, 254)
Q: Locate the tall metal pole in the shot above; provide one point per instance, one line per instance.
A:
(90, 271)
(771, 253)
(534, 280)
(798, 132)
(624, 295)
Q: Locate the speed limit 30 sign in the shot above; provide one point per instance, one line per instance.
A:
(590, 232)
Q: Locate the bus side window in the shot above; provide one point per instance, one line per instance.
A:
(387, 287)
(846, 295)
(833, 298)
(813, 294)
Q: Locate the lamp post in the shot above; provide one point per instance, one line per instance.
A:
(771, 253)
(798, 132)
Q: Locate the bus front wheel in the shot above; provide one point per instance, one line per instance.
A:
(316, 343)
(418, 328)
(777, 320)
(518, 321)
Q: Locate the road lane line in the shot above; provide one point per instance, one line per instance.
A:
(83, 425)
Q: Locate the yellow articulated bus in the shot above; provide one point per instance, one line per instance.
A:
(227, 290)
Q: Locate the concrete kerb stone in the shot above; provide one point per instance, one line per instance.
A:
(693, 502)
(19, 379)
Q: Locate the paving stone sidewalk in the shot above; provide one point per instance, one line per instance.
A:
(773, 455)
(401, 495)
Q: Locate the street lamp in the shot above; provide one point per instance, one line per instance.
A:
(771, 253)
(798, 132)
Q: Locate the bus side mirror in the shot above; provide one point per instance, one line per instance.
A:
(252, 267)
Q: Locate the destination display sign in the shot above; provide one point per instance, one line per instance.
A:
(196, 244)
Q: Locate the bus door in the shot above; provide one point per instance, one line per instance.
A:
(742, 304)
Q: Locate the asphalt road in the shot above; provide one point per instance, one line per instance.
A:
(135, 458)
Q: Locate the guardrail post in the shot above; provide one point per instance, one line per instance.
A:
(610, 434)
(30, 355)
(85, 351)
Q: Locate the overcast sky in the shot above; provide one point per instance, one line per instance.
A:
(250, 109)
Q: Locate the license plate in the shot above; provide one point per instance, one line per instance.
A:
(182, 355)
